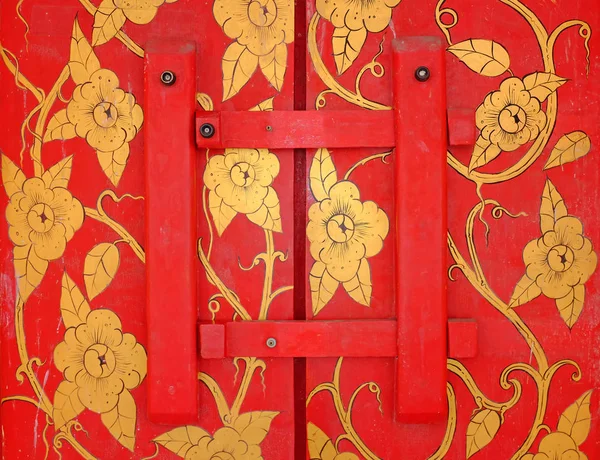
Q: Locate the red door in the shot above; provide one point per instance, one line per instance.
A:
(316, 229)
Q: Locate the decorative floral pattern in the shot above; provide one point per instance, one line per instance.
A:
(140, 11)
(561, 259)
(557, 446)
(343, 232)
(44, 217)
(239, 440)
(240, 182)
(100, 360)
(259, 25)
(103, 114)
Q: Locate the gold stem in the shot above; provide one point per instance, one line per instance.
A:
(220, 401)
(227, 293)
(269, 260)
(441, 452)
(121, 36)
(26, 362)
(498, 304)
(251, 364)
(119, 229)
(364, 161)
(20, 79)
(36, 149)
(326, 76)
(457, 368)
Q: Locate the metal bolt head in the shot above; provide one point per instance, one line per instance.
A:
(271, 342)
(269, 128)
(167, 77)
(207, 130)
(422, 73)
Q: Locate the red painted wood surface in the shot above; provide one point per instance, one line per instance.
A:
(420, 239)
(322, 339)
(296, 129)
(171, 205)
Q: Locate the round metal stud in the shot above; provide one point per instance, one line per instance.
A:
(167, 77)
(422, 73)
(271, 342)
(207, 130)
(269, 128)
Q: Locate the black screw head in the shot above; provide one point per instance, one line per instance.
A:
(422, 73)
(207, 130)
(167, 77)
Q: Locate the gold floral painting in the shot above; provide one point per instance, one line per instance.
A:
(521, 240)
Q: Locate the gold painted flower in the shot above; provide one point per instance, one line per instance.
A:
(511, 116)
(259, 25)
(103, 114)
(240, 182)
(561, 258)
(343, 230)
(227, 444)
(372, 15)
(100, 361)
(140, 11)
(557, 446)
(43, 216)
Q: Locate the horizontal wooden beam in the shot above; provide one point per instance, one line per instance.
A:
(320, 339)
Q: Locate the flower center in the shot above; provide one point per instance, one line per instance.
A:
(560, 258)
(40, 218)
(340, 228)
(512, 119)
(105, 114)
(99, 361)
(262, 15)
(242, 174)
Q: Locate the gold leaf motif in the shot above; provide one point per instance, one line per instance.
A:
(100, 267)
(274, 64)
(181, 439)
(59, 174)
(67, 405)
(73, 306)
(268, 216)
(264, 106)
(541, 84)
(113, 163)
(481, 430)
(571, 306)
(483, 152)
(486, 57)
(320, 447)
(221, 213)
(82, 60)
(576, 420)
(59, 127)
(346, 46)
(29, 269)
(552, 208)
(120, 421)
(322, 174)
(253, 427)
(569, 148)
(360, 287)
(12, 177)
(525, 291)
(322, 286)
(238, 66)
(108, 21)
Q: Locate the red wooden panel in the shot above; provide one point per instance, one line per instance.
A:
(171, 233)
(420, 108)
(295, 129)
(321, 339)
